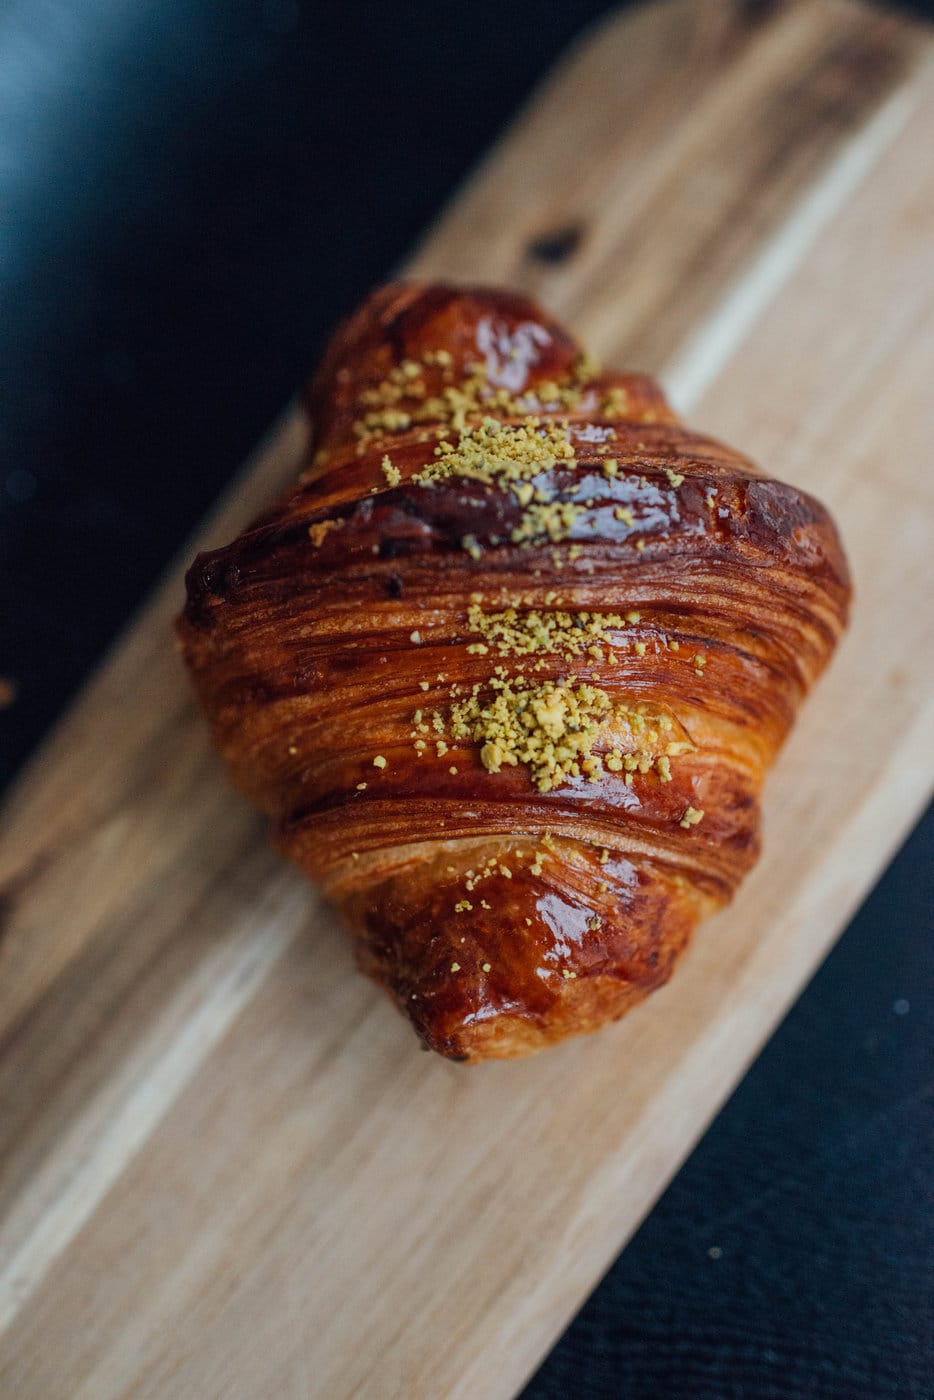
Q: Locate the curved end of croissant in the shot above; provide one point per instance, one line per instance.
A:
(494, 950)
(469, 1036)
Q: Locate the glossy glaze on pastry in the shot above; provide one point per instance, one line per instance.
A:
(509, 663)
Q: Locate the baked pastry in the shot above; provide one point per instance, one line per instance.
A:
(506, 667)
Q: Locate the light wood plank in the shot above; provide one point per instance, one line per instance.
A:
(686, 134)
(225, 1169)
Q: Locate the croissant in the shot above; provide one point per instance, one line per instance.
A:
(508, 664)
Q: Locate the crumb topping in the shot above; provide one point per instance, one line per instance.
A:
(512, 632)
(457, 404)
(557, 729)
(551, 728)
(391, 473)
(504, 453)
(512, 457)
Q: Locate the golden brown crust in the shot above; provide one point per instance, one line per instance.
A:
(508, 665)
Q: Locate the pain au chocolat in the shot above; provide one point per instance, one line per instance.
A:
(507, 665)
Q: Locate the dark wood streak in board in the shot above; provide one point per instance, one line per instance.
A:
(557, 245)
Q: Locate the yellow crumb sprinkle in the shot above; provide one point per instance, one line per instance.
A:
(485, 967)
(511, 456)
(674, 478)
(553, 521)
(455, 967)
(615, 402)
(678, 747)
(550, 728)
(391, 473)
(455, 404)
(502, 452)
(515, 632)
(691, 817)
(379, 761)
(463, 906)
(361, 787)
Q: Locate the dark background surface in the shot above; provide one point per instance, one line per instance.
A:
(190, 195)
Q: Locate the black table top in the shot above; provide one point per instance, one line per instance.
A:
(192, 194)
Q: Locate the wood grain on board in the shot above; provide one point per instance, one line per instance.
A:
(225, 1168)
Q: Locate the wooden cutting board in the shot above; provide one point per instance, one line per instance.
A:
(225, 1168)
